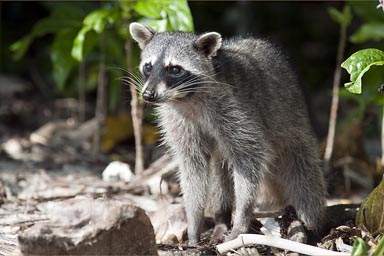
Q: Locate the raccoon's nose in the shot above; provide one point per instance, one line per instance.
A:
(149, 95)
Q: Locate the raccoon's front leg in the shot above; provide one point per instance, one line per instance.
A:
(193, 180)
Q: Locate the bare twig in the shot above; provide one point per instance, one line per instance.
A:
(273, 241)
(335, 99)
(137, 115)
(101, 98)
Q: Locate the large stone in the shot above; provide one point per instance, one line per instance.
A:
(90, 227)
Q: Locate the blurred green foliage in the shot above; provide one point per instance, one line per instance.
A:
(77, 33)
(364, 66)
(360, 247)
(343, 18)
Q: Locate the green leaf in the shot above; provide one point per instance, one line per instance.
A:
(96, 21)
(360, 247)
(162, 15)
(78, 43)
(179, 16)
(63, 63)
(358, 64)
(343, 18)
(379, 250)
(373, 31)
(149, 8)
(371, 212)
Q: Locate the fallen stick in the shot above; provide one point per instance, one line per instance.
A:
(251, 239)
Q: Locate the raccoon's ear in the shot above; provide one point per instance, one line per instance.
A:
(141, 34)
(209, 43)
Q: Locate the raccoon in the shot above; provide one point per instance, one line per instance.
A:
(233, 115)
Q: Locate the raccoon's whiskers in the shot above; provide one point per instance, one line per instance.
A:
(131, 81)
(138, 84)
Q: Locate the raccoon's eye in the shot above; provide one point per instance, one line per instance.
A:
(147, 69)
(175, 71)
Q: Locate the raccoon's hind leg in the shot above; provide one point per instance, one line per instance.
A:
(221, 196)
(302, 183)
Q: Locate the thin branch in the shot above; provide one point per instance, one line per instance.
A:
(335, 99)
(101, 105)
(137, 115)
(277, 242)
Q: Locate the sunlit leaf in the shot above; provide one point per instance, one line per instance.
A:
(179, 15)
(358, 64)
(149, 8)
(373, 31)
(96, 21)
(163, 15)
(371, 212)
(78, 42)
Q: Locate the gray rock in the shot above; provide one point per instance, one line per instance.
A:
(90, 227)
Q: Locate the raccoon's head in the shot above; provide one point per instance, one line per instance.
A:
(174, 64)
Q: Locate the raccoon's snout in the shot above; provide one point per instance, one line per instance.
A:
(149, 95)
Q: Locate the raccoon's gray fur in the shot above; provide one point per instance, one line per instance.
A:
(233, 115)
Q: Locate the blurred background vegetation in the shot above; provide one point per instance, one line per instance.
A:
(41, 43)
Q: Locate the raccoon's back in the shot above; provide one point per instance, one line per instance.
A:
(262, 81)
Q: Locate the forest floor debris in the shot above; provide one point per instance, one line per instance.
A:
(50, 163)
